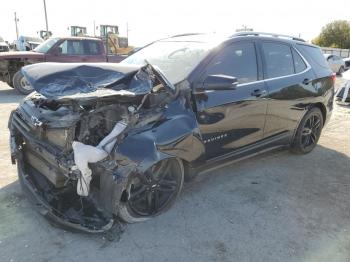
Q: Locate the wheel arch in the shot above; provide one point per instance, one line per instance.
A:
(323, 110)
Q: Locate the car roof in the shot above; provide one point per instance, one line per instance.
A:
(202, 37)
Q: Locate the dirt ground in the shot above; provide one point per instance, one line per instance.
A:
(274, 207)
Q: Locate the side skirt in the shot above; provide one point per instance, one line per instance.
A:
(279, 141)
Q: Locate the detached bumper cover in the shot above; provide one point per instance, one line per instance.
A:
(35, 185)
(45, 209)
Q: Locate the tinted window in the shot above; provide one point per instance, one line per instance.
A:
(92, 48)
(238, 60)
(70, 47)
(279, 60)
(314, 54)
(299, 63)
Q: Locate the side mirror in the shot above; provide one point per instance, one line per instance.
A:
(220, 82)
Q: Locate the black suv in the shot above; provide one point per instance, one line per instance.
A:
(102, 140)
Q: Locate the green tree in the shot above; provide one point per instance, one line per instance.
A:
(335, 34)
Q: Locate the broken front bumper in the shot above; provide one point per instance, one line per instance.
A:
(47, 211)
(44, 178)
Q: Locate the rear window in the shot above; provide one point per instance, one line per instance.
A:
(315, 54)
(279, 60)
(92, 48)
(299, 63)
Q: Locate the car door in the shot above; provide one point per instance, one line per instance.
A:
(289, 79)
(230, 119)
(69, 51)
(93, 51)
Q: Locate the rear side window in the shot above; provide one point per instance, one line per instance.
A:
(278, 59)
(314, 54)
(92, 48)
(299, 63)
(237, 60)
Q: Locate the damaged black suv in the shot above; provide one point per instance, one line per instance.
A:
(99, 141)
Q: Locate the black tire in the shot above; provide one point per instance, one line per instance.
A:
(21, 84)
(152, 193)
(308, 132)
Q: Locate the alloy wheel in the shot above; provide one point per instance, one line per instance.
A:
(151, 192)
(25, 85)
(311, 131)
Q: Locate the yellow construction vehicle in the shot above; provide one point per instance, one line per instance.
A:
(114, 43)
(45, 34)
(77, 30)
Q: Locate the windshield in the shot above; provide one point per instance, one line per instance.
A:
(176, 59)
(44, 47)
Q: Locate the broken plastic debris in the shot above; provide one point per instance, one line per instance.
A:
(84, 154)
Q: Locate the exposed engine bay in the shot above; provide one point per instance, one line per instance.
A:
(71, 151)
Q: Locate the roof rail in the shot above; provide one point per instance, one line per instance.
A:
(251, 33)
(187, 34)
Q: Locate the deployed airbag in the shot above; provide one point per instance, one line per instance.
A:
(84, 154)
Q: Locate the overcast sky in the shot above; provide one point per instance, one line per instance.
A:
(152, 19)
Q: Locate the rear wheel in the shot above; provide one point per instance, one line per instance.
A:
(21, 84)
(153, 192)
(309, 132)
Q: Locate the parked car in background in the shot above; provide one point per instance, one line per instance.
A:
(4, 47)
(104, 140)
(347, 63)
(335, 63)
(27, 43)
(343, 93)
(63, 50)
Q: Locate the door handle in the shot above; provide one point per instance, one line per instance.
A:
(258, 92)
(307, 81)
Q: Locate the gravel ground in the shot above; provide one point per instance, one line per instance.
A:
(274, 207)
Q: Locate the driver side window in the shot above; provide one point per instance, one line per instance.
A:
(237, 60)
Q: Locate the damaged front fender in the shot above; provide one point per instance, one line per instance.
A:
(176, 135)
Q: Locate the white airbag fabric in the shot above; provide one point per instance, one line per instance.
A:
(84, 154)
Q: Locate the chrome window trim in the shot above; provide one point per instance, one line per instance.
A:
(308, 67)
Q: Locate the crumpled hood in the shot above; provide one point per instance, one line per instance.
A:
(54, 80)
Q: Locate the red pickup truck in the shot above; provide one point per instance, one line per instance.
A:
(63, 50)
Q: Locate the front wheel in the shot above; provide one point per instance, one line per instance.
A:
(153, 192)
(21, 84)
(308, 132)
